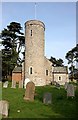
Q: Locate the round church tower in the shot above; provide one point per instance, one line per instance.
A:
(34, 52)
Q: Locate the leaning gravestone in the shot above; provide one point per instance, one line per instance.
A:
(30, 91)
(70, 90)
(5, 85)
(20, 84)
(47, 98)
(13, 84)
(4, 107)
(65, 86)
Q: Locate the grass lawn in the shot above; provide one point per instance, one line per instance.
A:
(61, 107)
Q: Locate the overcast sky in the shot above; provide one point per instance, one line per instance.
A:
(59, 19)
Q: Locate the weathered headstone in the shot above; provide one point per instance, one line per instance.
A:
(30, 91)
(4, 107)
(26, 81)
(70, 90)
(47, 98)
(13, 84)
(54, 82)
(65, 86)
(20, 84)
(58, 85)
(5, 84)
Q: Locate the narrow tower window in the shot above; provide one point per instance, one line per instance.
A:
(46, 72)
(31, 32)
(59, 78)
(30, 70)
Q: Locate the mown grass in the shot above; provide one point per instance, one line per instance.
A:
(61, 107)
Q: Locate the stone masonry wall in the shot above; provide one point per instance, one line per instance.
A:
(63, 79)
(48, 66)
(34, 53)
(17, 77)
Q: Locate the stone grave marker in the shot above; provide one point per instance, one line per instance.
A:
(70, 90)
(4, 107)
(13, 84)
(58, 85)
(30, 91)
(5, 84)
(47, 98)
(20, 84)
(54, 82)
(65, 86)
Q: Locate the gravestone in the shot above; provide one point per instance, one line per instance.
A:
(54, 82)
(47, 98)
(30, 91)
(4, 107)
(20, 84)
(70, 90)
(65, 86)
(58, 85)
(5, 84)
(13, 84)
(26, 81)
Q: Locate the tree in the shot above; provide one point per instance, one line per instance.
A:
(59, 62)
(56, 62)
(0, 67)
(12, 40)
(75, 53)
(53, 60)
(72, 56)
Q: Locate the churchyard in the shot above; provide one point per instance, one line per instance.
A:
(49, 102)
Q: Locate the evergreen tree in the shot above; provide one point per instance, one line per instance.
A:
(12, 40)
(72, 56)
(56, 62)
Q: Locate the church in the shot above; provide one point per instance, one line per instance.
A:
(37, 68)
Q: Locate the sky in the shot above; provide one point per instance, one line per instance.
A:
(59, 19)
